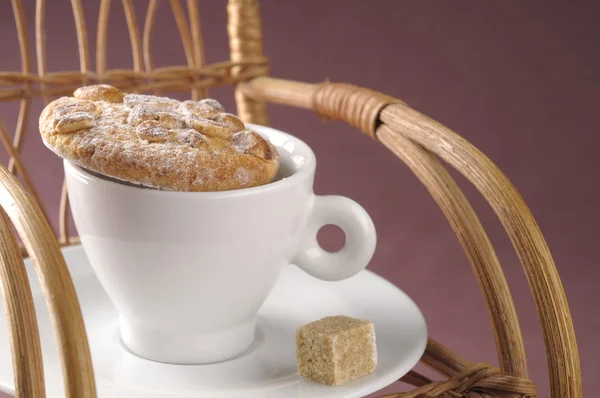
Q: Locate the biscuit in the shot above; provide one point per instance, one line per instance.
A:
(157, 142)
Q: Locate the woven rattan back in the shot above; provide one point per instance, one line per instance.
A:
(195, 75)
(416, 139)
(23, 206)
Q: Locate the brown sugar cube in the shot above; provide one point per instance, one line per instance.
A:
(336, 350)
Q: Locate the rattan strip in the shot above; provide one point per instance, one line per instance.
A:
(72, 240)
(197, 43)
(57, 286)
(527, 239)
(82, 39)
(184, 33)
(84, 66)
(134, 35)
(21, 318)
(168, 72)
(147, 37)
(245, 44)
(442, 360)
(415, 379)
(475, 242)
(19, 16)
(20, 130)
(101, 36)
(478, 378)
(465, 378)
(20, 168)
(40, 48)
(170, 79)
(358, 106)
(63, 214)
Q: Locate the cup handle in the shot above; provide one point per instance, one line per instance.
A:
(361, 238)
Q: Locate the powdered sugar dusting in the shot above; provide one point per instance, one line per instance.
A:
(151, 102)
(159, 142)
(243, 176)
(213, 103)
(198, 109)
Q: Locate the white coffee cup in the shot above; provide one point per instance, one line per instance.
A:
(188, 271)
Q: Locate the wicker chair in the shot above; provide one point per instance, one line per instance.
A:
(417, 140)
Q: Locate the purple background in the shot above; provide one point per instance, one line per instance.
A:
(517, 79)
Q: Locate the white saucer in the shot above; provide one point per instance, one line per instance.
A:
(266, 369)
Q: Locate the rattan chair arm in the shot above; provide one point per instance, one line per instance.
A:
(58, 289)
(21, 318)
(526, 237)
(411, 135)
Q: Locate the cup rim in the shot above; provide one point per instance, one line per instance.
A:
(272, 134)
